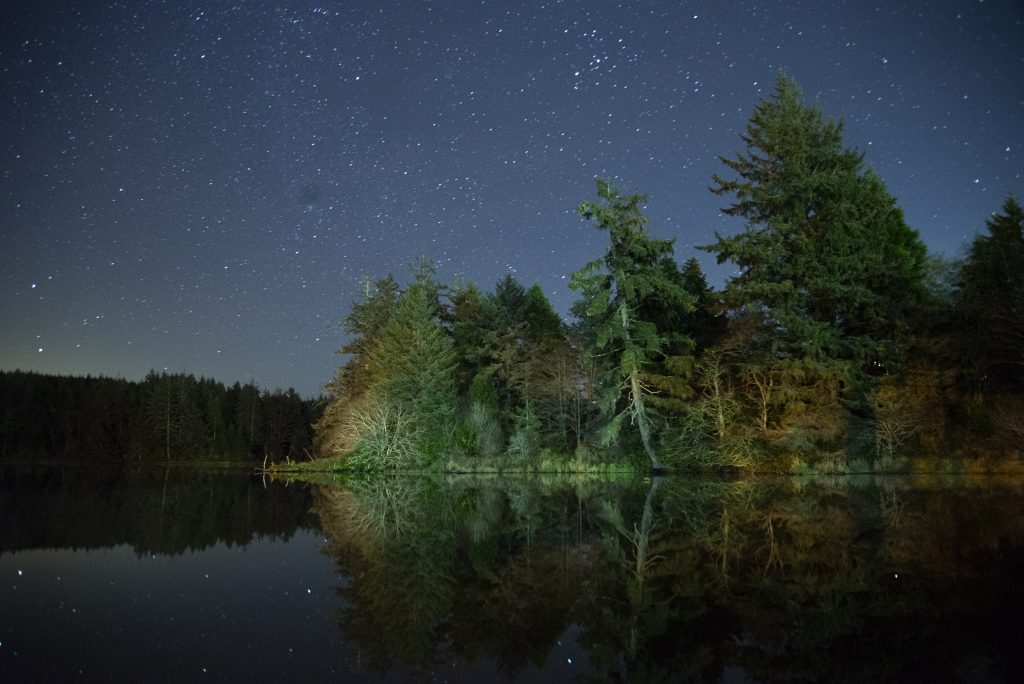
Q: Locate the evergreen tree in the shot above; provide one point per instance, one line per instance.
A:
(542, 323)
(826, 257)
(394, 401)
(336, 431)
(249, 417)
(509, 300)
(165, 417)
(991, 299)
(514, 323)
(469, 329)
(703, 324)
(417, 362)
(619, 294)
(364, 323)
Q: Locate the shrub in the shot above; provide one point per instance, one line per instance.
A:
(386, 438)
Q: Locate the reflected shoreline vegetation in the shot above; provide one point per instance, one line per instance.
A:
(671, 579)
(167, 510)
(469, 577)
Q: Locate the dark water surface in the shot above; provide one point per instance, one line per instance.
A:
(185, 575)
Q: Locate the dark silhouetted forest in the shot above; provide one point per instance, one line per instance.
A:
(166, 417)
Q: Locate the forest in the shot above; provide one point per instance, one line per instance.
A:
(839, 345)
(166, 417)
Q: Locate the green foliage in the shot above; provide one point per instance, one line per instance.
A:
(990, 301)
(387, 437)
(509, 302)
(171, 410)
(483, 392)
(623, 295)
(542, 323)
(524, 444)
(483, 419)
(395, 401)
(826, 257)
(349, 389)
(469, 322)
(837, 333)
(249, 415)
(704, 324)
(416, 359)
(485, 428)
(364, 323)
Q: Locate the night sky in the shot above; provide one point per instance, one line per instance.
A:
(200, 187)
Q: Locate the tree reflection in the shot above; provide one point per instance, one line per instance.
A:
(677, 580)
(394, 539)
(165, 510)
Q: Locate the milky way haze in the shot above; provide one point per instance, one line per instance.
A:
(201, 186)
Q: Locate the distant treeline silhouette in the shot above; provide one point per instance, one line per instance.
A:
(167, 417)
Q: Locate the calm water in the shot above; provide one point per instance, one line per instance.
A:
(185, 575)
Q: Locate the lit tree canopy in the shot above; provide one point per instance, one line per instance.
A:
(825, 258)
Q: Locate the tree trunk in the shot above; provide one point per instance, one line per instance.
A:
(636, 399)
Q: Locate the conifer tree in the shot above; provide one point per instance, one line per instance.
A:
(991, 299)
(394, 400)
(417, 358)
(417, 362)
(249, 416)
(631, 279)
(469, 328)
(542, 323)
(335, 431)
(826, 258)
(703, 324)
(509, 300)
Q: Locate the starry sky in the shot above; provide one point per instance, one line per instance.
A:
(201, 186)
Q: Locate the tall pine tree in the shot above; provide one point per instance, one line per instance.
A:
(991, 300)
(826, 258)
(636, 281)
(417, 359)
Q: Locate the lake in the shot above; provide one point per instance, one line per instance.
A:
(178, 574)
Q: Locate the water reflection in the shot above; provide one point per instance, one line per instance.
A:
(164, 510)
(671, 580)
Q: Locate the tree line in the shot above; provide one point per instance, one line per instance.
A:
(839, 342)
(165, 417)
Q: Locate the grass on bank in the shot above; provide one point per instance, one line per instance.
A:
(786, 464)
(452, 465)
